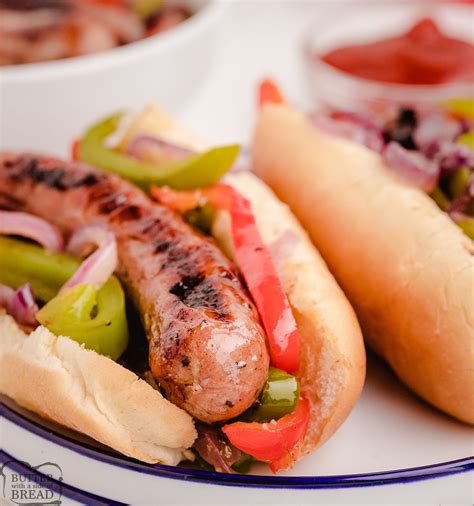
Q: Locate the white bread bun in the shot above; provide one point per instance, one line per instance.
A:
(88, 392)
(406, 267)
(332, 367)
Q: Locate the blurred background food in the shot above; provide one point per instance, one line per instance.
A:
(414, 54)
(205, 69)
(42, 30)
(44, 104)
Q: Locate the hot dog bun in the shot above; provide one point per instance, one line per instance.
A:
(88, 392)
(59, 379)
(332, 369)
(80, 389)
(406, 267)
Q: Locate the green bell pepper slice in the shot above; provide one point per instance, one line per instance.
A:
(196, 171)
(458, 182)
(463, 107)
(467, 226)
(279, 396)
(95, 318)
(440, 198)
(73, 313)
(467, 139)
(145, 8)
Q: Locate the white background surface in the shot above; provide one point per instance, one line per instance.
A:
(258, 38)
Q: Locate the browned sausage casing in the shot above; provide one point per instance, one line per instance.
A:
(207, 348)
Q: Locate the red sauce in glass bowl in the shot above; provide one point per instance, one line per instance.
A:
(423, 55)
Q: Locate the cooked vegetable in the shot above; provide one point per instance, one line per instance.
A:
(154, 149)
(273, 441)
(213, 447)
(31, 227)
(99, 266)
(196, 171)
(440, 198)
(20, 304)
(467, 139)
(467, 225)
(278, 398)
(104, 328)
(412, 166)
(254, 261)
(269, 93)
(458, 182)
(95, 318)
(462, 107)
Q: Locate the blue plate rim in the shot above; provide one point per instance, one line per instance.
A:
(398, 476)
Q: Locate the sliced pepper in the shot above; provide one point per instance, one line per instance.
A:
(23, 262)
(145, 8)
(462, 107)
(94, 318)
(440, 198)
(269, 93)
(75, 145)
(273, 441)
(467, 226)
(71, 314)
(256, 265)
(196, 171)
(467, 139)
(278, 398)
(458, 182)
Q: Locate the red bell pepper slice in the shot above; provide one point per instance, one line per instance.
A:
(269, 93)
(273, 442)
(76, 143)
(256, 265)
(120, 4)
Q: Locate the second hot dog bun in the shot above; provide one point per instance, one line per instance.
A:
(406, 267)
(332, 363)
(60, 380)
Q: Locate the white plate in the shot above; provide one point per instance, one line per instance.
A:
(391, 439)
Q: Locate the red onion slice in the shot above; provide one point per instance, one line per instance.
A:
(452, 156)
(32, 227)
(99, 266)
(6, 295)
(351, 127)
(215, 450)
(156, 149)
(412, 166)
(434, 129)
(20, 304)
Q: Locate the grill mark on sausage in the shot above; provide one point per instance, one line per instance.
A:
(187, 288)
(189, 295)
(127, 213)
(161, 247)
(53, 177)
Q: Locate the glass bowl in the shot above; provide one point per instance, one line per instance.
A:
(359, 22)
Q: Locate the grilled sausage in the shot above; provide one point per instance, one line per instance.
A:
(207, 348)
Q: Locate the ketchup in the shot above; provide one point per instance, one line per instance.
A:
(423, 55)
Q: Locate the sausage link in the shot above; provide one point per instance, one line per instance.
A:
(206, 345)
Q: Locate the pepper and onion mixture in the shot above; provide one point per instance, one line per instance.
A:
(44, 30)
(47, 284)
(433, 150)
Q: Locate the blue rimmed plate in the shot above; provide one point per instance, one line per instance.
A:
(390, 439)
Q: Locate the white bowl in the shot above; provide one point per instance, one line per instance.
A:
(43, 106)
